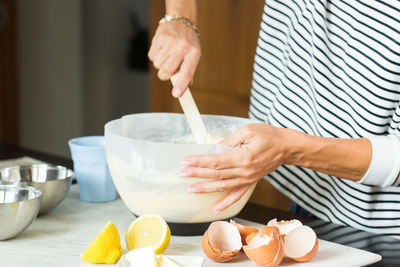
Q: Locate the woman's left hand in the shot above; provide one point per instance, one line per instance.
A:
(261, 150)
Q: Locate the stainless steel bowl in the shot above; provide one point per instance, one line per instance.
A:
(53, 181)
(19, 206)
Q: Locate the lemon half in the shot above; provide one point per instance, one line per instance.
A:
(105, 247)
(148, 230)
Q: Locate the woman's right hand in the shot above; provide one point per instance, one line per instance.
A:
(175, 48)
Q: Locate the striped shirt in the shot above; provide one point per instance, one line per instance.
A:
(332, 69)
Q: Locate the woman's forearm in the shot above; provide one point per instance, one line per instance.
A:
(262, 148)
(185, 8)
(344, 158)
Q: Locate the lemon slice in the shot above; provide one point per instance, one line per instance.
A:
(105, 247)
(148, 230)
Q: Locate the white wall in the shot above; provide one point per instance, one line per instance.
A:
(73, 73)
(50, 72)
(108, 82)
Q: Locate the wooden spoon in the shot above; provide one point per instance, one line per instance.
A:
(192, 114)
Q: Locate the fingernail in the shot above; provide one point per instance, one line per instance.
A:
(175, 92)
(191, 190)
(186, 163)
(184, 173)
(216, 211)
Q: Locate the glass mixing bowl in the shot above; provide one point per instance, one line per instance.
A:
(144, 154)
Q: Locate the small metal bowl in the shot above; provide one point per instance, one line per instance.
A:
(19, 206)
(54, 181)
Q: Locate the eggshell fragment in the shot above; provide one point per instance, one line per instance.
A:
(267, 230)
(250, 237)
(222, 241)
(285, 227)
(301, 244)
(244, 230)
(265, 249)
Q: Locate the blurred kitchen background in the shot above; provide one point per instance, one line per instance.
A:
(69, 66)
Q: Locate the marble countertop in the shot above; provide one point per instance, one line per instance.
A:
(59, 237)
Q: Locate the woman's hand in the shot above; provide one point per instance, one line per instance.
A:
(175, 47)
(261, 150)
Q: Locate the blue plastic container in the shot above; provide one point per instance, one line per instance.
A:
(91, 169)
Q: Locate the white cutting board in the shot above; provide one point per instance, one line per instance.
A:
(329, 253)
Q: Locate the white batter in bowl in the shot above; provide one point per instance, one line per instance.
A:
(144, 154)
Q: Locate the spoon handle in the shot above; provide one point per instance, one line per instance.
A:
(192, 115)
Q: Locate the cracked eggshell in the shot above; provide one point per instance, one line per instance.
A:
(250, 237)
(285, 227)
(301, 244)
(244, 230)
(222, 241)
(266, 230)
(266, 247)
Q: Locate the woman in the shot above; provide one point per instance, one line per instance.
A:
(326, 85)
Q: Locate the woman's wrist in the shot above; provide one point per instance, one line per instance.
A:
(184, 8)
(170, 18)
(295, 146)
